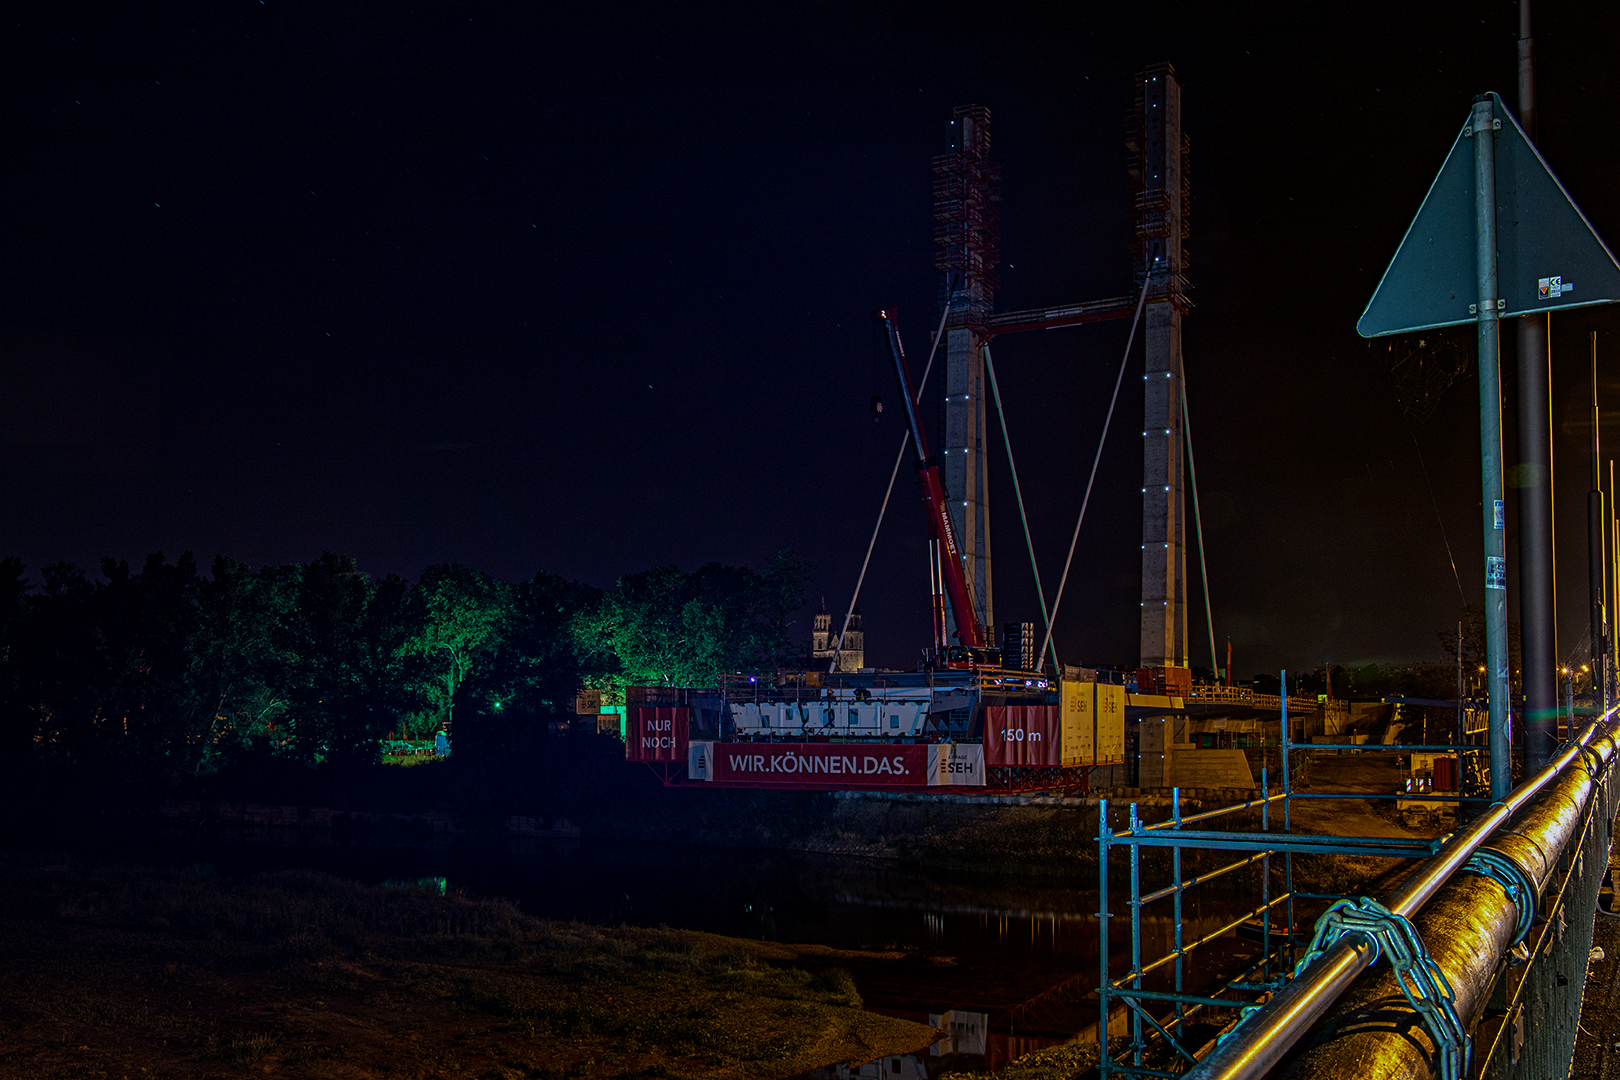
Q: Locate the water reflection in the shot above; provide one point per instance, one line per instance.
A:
(1001, 967)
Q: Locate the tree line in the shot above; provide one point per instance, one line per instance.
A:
(167, 673)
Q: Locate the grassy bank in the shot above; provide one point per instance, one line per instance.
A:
(113, 972)
(1068, 1062)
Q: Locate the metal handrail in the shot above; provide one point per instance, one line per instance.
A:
(1268, 1033)
(1176, 823)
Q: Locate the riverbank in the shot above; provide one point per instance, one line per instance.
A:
(581, 788)
(180, 973)
(1031, 839)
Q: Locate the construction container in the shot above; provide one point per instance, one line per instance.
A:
(1078, 702)
(1110, 713)
(657, 733)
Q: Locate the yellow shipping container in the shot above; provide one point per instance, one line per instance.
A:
(1110, 715)
(1078, 723)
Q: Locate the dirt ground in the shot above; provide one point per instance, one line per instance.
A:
(113, 973)
(1370, 773)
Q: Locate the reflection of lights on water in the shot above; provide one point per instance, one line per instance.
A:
(934, 924)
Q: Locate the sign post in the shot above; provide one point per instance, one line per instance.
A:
(1482, 128)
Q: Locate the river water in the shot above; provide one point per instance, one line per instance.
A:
(1008, 966)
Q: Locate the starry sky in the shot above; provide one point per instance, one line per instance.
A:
(588, 288)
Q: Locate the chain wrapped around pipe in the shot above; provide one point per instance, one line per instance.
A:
(1419, 977)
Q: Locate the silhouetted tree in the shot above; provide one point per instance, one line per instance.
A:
(545, 657)
(457, 619)
(676, 629)
(16, 742)
(1472, 618)
(337, 659)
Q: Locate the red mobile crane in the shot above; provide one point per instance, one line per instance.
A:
(969, 631)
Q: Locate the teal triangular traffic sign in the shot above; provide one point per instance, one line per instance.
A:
(1548, 255)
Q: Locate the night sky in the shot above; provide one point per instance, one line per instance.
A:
(589, 288)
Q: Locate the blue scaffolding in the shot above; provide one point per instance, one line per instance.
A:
(1251, 987)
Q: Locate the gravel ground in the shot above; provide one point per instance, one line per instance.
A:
(1597, 1043)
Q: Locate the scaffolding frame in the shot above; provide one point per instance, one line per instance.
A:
(1250, 987)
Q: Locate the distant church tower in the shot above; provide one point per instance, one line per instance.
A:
(852, 657)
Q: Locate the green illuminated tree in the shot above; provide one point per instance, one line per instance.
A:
(670, 628)
(234, 657)
(457, 619)
(543, 658)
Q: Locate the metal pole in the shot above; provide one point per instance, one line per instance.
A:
(1498, 683)
(1610, 586)
(1596, 571)
(1284, 678)
(1138, 1040)
(1287, 790)
(1527, 72)
(1537, 617)
(1104, 836)
(1569, 698)
(1175, 862)
(1265, 878)
(1536, 610)
(1537, 583)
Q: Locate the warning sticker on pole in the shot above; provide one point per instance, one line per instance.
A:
(1495, 572)
(1499, 515)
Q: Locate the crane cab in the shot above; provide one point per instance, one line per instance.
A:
(967, 658)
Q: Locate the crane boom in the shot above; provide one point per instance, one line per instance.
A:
(969, 631)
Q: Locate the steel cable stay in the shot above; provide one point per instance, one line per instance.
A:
(1141, 301)
(905, 441)
(1023, 518)
(1198, 524)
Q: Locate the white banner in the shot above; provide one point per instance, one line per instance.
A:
(955, 765)
(699, 755)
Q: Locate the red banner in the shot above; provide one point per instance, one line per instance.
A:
(656, 734)
(830, 766)
(1022, 735)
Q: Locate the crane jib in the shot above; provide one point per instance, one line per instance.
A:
(942, 517)
(968, 628)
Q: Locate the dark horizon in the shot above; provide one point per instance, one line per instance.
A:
(591, 293)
